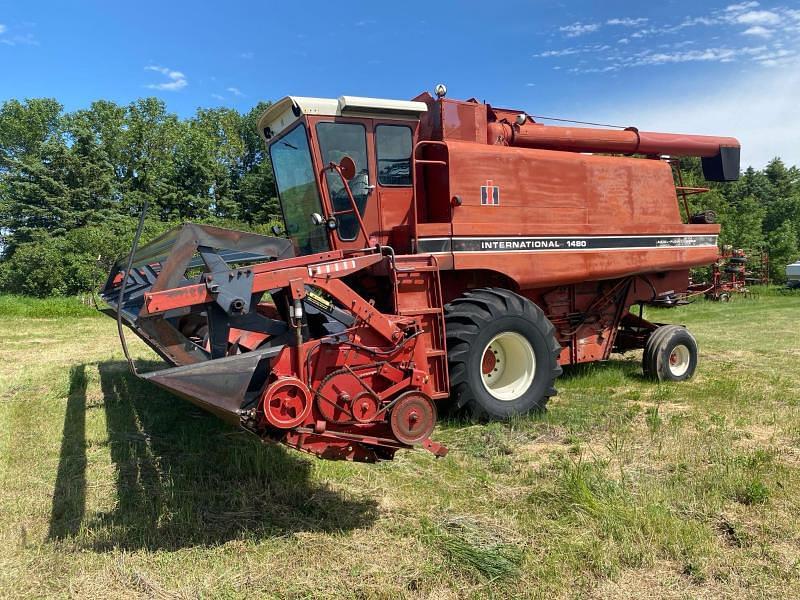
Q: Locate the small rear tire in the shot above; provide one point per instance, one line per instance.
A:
(670, 354)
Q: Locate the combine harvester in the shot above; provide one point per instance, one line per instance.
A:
(436, 249)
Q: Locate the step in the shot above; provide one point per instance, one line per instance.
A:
(416, 269)
(405, 312)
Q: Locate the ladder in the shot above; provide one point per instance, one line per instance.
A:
(418, 293)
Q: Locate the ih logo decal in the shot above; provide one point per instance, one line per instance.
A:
(490, 194)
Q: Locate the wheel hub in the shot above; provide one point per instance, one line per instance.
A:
(508, 366)
(489, 361)
(679, 360)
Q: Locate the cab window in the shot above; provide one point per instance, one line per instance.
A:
(297, 190)
(393, 144)
(337, 140)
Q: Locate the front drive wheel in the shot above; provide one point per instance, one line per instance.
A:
(670, 354)
(503, 354)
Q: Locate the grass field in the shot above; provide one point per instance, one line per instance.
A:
(624, 488)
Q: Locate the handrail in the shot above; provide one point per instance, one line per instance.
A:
(684, 191)
(353, 206)
(420, 161)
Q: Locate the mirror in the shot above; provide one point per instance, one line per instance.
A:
(348, 167)
(277, 230)
(317, 219)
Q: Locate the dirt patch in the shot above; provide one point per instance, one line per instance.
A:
(665, 409)
(665, 581)
(758, 436)
(540, 450)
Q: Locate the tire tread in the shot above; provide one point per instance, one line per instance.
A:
(464, 317)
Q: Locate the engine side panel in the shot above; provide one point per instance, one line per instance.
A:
(546, 218)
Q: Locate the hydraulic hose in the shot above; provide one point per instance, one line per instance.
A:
(124, 285)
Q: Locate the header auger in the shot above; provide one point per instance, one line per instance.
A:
(437, 250)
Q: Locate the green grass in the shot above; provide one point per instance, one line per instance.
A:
(43, 308)
(624, 488)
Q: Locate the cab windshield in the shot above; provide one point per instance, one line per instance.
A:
(297, 190)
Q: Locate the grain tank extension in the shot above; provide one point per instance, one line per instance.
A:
(435, 251)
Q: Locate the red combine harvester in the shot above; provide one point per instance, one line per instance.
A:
(436, 249)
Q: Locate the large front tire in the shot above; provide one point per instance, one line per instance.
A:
(503, 354)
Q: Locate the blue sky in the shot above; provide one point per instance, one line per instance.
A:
(717, 67)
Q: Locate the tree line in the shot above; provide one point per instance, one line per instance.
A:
(72, 184)
(760, 211)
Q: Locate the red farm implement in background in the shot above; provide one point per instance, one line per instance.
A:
(436, 250)
(732, 274)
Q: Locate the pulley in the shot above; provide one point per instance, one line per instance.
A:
(286, 403)
(413, 418)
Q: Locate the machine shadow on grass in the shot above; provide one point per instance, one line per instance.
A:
(630, 369)
(183, 477)
(69, 495)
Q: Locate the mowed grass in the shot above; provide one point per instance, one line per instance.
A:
(624, 488)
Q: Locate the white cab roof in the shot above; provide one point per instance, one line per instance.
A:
(287, 110)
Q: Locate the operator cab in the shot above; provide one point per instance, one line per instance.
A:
(307, 135)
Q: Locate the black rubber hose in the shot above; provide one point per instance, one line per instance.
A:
(121, 299)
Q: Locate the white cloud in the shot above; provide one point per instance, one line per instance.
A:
(177, 80)
(555, 53)
(709, 54)
(235, 91)
(758, 17)
(762, 114)
(775, 58)
(573, 50)
(652, 43)
(247, 55)
(707, 20)
(627, 22)
(577, 29)
(678, 54)
(742, 6)
(759, 31)
(644, 32)
(16, 39)
(19, 40)
(218, 97)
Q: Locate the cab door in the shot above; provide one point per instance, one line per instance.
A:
(394, 141)
(337, 138)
